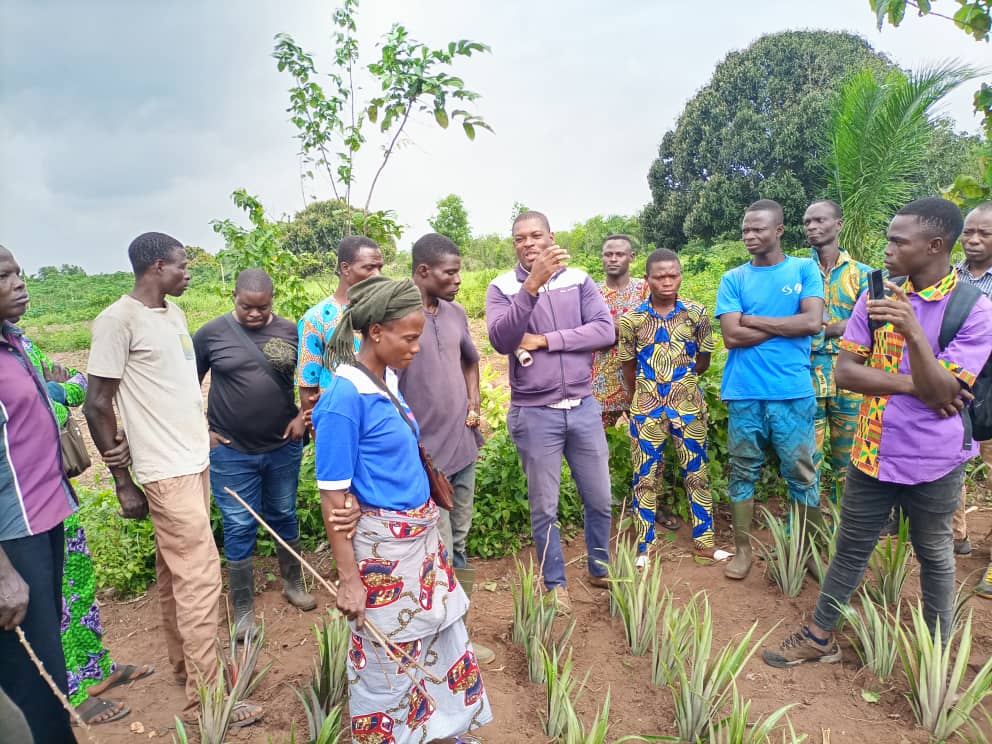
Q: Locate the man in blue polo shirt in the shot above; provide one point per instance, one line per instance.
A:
(768, 310)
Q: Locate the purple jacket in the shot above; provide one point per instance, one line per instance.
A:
(570, 311)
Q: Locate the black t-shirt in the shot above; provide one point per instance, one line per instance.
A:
(244, 403)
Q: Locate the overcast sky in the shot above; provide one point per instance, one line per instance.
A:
(122, 117)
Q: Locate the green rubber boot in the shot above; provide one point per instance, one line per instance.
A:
(242, 592)
(741, 514)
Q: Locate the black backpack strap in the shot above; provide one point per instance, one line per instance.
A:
(959, 304)
(962, 300)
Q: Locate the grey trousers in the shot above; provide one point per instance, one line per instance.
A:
(454, 525)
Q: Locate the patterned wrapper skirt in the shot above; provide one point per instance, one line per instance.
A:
(87, 660)
(415, 601)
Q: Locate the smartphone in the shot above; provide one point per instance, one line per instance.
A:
(876, 291)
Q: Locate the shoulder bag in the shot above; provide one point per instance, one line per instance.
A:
(75, 458)
(442, 492)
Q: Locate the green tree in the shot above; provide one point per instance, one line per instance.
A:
(413, 79)
(974, 17)
(584, 241)
(751, 132)
(262, 246)
(875, 145)
(319, 227)
(452, 220)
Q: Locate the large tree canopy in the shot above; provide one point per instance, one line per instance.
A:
(752, 132)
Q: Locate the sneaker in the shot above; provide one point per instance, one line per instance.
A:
(984, 588)
(962, 547)
(642, 562)
(799, 648)
(559, 595)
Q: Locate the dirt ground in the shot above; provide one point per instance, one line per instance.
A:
(828, 703)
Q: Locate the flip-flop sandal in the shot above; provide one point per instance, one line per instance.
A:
(92, 708)
(252, 714)
(130, 673)
(668, 520)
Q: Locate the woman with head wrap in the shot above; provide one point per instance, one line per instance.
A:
(395, 571)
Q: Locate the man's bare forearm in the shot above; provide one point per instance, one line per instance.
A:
(932, 382)
(790, 326)
(102, 424)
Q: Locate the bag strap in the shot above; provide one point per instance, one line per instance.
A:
(384, 388)
(962, 300)
(257, 353)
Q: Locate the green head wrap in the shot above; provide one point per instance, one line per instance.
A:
(374, 300)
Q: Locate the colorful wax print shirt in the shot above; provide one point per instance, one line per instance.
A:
(899, 439)
(363, 445)
(315, 330)
(777, 368)
(607, 377)
(842, 286)
(665, 348)
(35, 495)
(64, 395)
(983, 282)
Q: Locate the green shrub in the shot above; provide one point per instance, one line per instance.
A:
(123, 549)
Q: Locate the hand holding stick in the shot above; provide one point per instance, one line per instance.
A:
(391, 651)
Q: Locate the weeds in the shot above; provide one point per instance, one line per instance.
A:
(889, 566)
(934, 684)
(788, 554)
(876, 635)
(322, 698)
(705, 683)
(637, 596)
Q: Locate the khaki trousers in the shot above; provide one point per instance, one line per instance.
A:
(188, 570)
(959, 524)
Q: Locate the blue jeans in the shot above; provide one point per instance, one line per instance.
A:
(267, 482)
(542, 436)
(454, 525)
(787, 425)
(865, 509)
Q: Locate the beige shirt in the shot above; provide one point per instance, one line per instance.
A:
(150, 351)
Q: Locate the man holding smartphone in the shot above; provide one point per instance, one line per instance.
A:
(557, 314)
(910, 448)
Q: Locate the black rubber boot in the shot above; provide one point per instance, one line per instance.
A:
(292, 578)
(242, 592)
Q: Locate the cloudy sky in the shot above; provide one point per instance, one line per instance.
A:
(122, 117)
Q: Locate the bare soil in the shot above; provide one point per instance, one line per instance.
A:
(828, 703)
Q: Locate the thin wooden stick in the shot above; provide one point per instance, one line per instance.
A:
(373, 630)
(51, 683)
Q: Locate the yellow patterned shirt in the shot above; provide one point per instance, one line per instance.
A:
(665, 348)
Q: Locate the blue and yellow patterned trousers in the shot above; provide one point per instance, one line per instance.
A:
(837, 410)
(648, 435)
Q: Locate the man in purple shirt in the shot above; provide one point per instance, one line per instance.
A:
(909, 448)
(35, 497)
(557, 315)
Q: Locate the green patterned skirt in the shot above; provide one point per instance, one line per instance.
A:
(87, 661)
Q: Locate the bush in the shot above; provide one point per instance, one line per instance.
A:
(123, 549)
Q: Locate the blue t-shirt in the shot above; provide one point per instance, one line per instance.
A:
(779, 368)
(363, 445)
